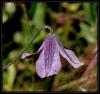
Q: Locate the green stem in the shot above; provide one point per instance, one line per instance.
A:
(29, 44)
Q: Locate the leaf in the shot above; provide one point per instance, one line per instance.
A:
(9, 78)
(87, 33)
(11, 75)
(38, 18)
(90, 11)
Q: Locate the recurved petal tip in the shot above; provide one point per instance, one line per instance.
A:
(68, 55)
(73, 59)
(26, 55)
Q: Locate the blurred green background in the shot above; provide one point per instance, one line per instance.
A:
(75, 24)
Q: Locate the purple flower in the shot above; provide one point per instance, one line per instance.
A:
(49, 62)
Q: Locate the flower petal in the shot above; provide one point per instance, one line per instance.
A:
(55, 67)
(44, 63)
(40, 65)
(73, 60)
(49, 50)
(41, 47)
(27, 55)
(68, 55)
(56, 64)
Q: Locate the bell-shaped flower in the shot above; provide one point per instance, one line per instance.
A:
(49, 62)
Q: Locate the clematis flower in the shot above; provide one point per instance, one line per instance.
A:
(49, 63)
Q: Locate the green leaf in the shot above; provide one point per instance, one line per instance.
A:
(38, 18)
(32, 9)
(87, 33)
(11, 75)
(90, 11)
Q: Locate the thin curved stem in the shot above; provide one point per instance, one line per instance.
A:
(30, 43)
(48, 28)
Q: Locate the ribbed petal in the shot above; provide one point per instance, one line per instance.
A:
(73, 60)
(56, 64)
(49, 50)
(40, 65)
(68, 55)
(44, 63)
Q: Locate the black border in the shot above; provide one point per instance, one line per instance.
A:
(1, 71)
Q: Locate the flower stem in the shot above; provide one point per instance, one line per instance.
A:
(48, 28)
(30, 43)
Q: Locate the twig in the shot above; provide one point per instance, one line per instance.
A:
(90, 67)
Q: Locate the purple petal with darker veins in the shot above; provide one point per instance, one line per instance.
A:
(49, 50)
(56, 64)
(44, 63)
(68, 55)
(40, 65)
(73, 58)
